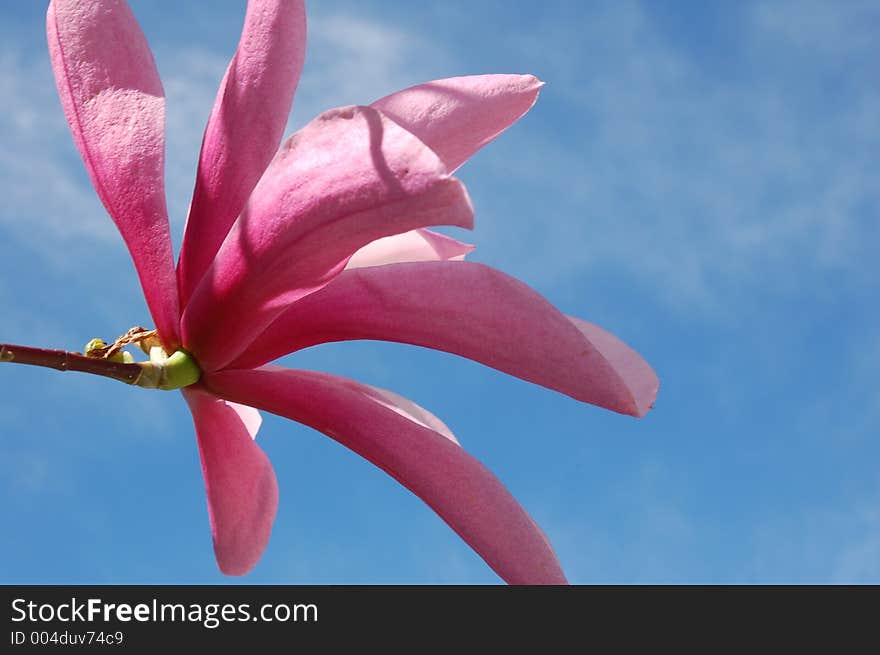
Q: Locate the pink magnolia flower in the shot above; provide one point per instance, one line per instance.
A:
(324, 241)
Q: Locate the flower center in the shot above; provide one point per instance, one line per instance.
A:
(168, 372)
(162, 371)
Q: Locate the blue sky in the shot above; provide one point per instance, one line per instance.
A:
(699, 178)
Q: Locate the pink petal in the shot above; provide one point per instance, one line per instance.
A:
(635, 372)
(348, 178)
(249, 417)
(406, 408)
(413, 246)
(114, 103)
(427, 462)
(245, 128)
(471, 310)
(241, 485)
(458, 116)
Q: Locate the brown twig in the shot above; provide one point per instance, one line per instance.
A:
(62, 360)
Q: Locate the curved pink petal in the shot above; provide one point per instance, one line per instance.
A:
(414, 246)
(633, 370)
(250, 418)
(459, 115)
(406, 408)
(239, 480)
(245, 128)
(348, 178)
(474, 311)
(115, 105)
(454, 484)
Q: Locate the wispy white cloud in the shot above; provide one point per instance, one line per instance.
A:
(46, 204)
(813, 24)
(818, 543)
(702, 180)
(356, 59)
(651, 538)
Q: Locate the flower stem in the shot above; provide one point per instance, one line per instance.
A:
(63, 360)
